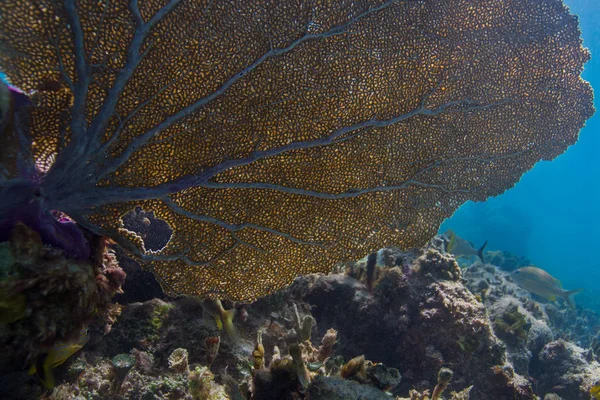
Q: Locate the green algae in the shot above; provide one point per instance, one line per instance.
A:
(512, 324)
(166, 388)
(468, 344)
(159, 315)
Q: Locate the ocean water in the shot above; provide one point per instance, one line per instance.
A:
(552, 216)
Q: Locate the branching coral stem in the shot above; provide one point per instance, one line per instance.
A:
(78, 125)
(133, 60)
(144, 138)
(99, 196)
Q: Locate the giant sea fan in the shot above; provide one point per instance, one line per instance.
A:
(277, 138)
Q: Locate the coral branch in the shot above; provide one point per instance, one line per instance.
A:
(134, 57)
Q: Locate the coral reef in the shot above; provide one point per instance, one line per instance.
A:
(566, 370)
(526, 322)
(431, 321)
(48, 297)
(419, 333)
(116, 134)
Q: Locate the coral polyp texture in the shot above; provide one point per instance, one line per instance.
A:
(277, 139)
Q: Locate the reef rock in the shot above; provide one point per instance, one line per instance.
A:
(525, 322)
(326, 388)
(390, 322)
(566, 370)
(431, 318)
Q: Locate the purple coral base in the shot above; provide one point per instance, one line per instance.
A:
(55, 231)
(18, 98)
(63, 234)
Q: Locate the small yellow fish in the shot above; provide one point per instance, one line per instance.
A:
(57, 355)
(595, 390)
(463, 248)
(538, 281)
(223, 318)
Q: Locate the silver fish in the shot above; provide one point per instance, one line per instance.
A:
(538, 281)
(463, 248)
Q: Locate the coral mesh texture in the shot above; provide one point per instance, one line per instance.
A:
(278, 138)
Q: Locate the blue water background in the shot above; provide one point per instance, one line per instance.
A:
(552, 216)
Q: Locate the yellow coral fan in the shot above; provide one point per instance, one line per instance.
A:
(278, 138)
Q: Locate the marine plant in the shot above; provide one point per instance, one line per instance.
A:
(122, 364)
(443, 379)
(259, 352)
(303, 325)
(275, 139)
(178, 361)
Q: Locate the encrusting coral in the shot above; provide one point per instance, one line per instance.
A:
(327, 343)
(51, 296)
(178, 361)
(259, 135)
(438, 265)
(511, 324)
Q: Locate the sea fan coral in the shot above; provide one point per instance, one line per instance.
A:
(276, 139)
